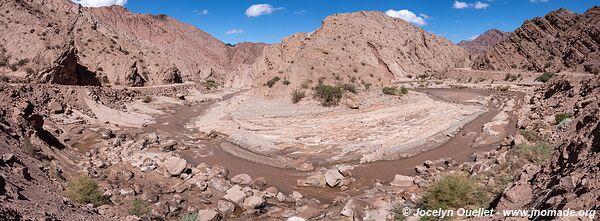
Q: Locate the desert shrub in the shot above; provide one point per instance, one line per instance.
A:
(560, 117)
(328, 95)
(84, 190)
(138, 207)
(349, 87)
(306, 84)
(272, 82)
(531, 135)
(536, 153)
(390, 90)
(453, 192)
(397, 212)
(511, 77)
(403, 90)
(22, 62)
(146, 99)
(297, 96)
(210, 84)
(286, 82)
(190, 217)
(545, 77)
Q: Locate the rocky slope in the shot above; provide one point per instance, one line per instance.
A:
(112, 44)
(367, 46)
(561, 40)
(569, 179)
(484, 41)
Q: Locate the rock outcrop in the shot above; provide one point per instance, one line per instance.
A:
(484, 41)
(560, 41)
(67, 70)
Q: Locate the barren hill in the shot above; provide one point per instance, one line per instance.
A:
(484, 41)
(368, 46)
(561, 40)
(114, 45)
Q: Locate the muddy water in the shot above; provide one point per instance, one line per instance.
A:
(457, 148)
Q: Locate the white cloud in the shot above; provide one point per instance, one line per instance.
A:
(481, 5)
(407, 15)
(201, 12)
(536, 1)
(424, 16)
(477, 5)
(234, 31)
(99, 3)
(460, 5)
(260, 9)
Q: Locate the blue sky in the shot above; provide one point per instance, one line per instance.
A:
(228, 21)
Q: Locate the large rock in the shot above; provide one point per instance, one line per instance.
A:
(235, 195)
(208, 215)
(253, 202)
(225, 207)
(241, 179)
(402, 181)
(219, 184)
(175, 165)
(333, 177)
(67, 70)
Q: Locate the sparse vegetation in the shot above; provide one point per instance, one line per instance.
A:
(511, 77)
(190, 217)
(394, 90)
(297, 96)
(545, 77)
(306, 84)
(286, 82)
(560, 117)
(84, 190)
(537, 153)
(530, 135)
(272, 82)
(210, 84)
(146, 99)
(350, 88)
(138, 207)
(453, 192)
(329, 95)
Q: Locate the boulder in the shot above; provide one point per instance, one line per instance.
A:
(235, 195)
(421, 169)
(271, 192)
(208, 215)
(219, 184)
(333, 177)
(175, 165)
(253, 202)
(225, 207)
(241, 179)
(402, 181)
(315, 180)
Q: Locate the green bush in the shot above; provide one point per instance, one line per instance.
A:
(329, 95)
(545, 77)
(403, 90)
(560, 117)
(453, 192)
(138, 207)
(272, 82)
(349, 87)
(297, 96)
(84, 190)
(146, 99)
(537, 153)
(210, 84)
(390, 90)
(190, 217)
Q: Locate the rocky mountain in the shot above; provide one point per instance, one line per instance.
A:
(114, 45)
(561, 40)
(484, 41)
(367, 46)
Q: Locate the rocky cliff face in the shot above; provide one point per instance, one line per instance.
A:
(561, 40)
(484, 41)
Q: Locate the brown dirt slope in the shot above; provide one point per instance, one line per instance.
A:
(484, 41)
(561, 40)
(110, 42)
(368, 46)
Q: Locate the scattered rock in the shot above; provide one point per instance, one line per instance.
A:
(241, 179)
(208, 215)
(402, 181)
(225, 207)
(333, 177)
(253, 202)
(175, 165)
